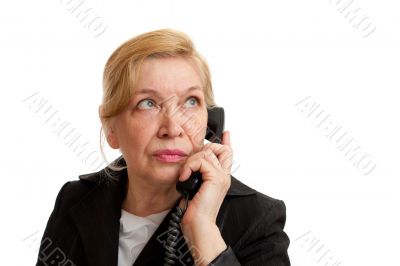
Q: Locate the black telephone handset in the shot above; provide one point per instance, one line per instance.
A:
(189, 187)
(215, 128)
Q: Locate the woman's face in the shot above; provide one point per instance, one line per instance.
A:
(166, 111)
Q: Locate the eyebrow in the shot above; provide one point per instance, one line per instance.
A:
(151, 91)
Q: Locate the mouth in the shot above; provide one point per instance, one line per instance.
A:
(170, 155)
(169, 158)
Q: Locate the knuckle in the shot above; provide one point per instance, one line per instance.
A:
(207, 145)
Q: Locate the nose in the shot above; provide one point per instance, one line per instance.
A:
(171, 125)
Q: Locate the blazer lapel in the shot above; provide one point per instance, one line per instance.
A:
(97, 219)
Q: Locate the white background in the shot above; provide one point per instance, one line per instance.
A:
(265, 56)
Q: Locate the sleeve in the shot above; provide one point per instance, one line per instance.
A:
(49, 230)
(267, 244)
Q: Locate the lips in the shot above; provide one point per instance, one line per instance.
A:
(170, 155)
(170, 152)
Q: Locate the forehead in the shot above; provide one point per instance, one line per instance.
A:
(176, 75)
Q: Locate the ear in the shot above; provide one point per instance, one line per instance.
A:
(109, 131)
(112, 138)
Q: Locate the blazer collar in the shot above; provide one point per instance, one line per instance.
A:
(97, 218)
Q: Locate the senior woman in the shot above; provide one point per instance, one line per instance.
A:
(157, 90)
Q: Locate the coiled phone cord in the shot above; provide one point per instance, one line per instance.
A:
(173, 233)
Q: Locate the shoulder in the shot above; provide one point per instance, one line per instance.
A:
(246, 207)
(247, 215)
(74, 191)
(242, 195)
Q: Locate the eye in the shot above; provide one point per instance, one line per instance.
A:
(193, 101)
(146, 104)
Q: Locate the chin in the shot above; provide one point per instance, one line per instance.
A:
(167, 175)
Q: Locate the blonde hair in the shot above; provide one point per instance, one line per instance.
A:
(122, 71)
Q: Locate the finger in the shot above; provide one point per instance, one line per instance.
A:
(217, 149)
(200, 164)
(189, 167)
(226, 138)
(224, 154)
(211, 157)
(226, 161)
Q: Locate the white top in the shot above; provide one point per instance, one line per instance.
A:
(134, 233)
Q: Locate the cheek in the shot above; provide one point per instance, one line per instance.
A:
(196, 127)
(136, 135)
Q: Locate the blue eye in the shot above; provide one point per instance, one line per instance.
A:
(193, 101)
(146, 104)
(149, 104)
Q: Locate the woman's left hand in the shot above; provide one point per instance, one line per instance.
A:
(198, 224)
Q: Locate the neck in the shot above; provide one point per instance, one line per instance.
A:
(143, 198)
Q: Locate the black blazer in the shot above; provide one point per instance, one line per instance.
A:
(83, 228)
